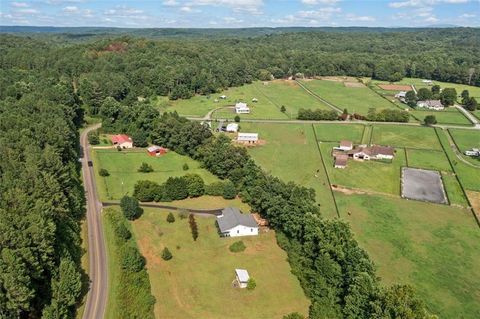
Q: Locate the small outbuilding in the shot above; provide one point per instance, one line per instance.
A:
(232, 127)
(232, 223)
(248, 138)
(242, 277)
(155, 150)
(223, 97)
(345, 145)
(473, 152)
(242, 108)
(341, 160)
(254, 100)
(122, 141)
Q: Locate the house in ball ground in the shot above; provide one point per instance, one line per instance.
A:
(122, 141)
(232, 223)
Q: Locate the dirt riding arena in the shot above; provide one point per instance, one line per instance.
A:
(339, 78)
(423, 185)
(247, 144)
(353, 84)
(394, 87)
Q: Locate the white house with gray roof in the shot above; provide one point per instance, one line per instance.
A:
(233, 223)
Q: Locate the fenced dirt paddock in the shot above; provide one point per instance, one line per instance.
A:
(395, 87)
(353, 84)
(338, 78)
(424, 185)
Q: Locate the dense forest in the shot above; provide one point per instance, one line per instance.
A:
(46, 84)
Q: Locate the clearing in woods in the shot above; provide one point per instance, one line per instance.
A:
(197, 281)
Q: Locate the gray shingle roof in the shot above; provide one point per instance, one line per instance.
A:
(232, 217)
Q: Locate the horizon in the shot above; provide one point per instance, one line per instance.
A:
(239, 14)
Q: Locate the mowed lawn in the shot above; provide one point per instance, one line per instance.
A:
(374, 176)
(451, 116)
(428, 159)
(289, 94)
(405, 136)
(354, 99)
(123, 167)
(465, 139)
(291, 154)
(338, 132)
(197, 282)
(433, 247)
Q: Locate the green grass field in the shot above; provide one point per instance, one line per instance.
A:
(428, 159)
(123, 167)
(197, 282)
(465, 139)
(372, 176)
(452, 116)
(432, 247)
(336, 132)
(454, 191)
(355, 100)
(291, 153)
(405, 136)
(468, 175)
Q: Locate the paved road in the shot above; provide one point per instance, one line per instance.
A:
(97, 295)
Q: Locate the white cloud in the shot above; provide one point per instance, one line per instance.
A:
(170, 3)
(19, 4)
(186, 9)
(314, 2)
(27, 11)
(70, 9)
(250, 6)
(422, 3)
(467, 16)
(311, 17)
(232, 20)
(355, 18)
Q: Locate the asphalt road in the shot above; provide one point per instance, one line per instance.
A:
(97, 294)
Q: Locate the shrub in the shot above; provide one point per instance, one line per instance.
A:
(251, 284)
(304, 114)
(237, 247)
(283, 109)
(122, 231)
(93, 138)
(185, 167)
(147, 191)
(195, 185)
(132, 260)
(236, 118)
(145, 168)
(430, 120)
(166, 254)
(229, 191)
(214, 189)
(175, 188)
(293, 315)
(170, 218)
(193, 226)
(103, 172)
(183, 214)
(130, 207)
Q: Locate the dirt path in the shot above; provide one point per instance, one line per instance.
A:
(457, 152)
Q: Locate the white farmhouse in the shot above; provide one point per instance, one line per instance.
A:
(431, 105)
(242, 277)
(233, 223)
(250, 138)
(232, 127)
(242, 108)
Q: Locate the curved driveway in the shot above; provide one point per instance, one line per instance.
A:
(97, 294)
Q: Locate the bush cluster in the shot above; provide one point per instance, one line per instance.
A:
(237, 247)
(317, 115)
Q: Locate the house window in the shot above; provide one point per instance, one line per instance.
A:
(251, 230)
(238, 231)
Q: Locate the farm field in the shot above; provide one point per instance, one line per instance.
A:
(372, 176)
(465, 139)
(454, 191)
(197, 282)
(452, 116)
(432, 247)
(337, 132)
(405, 136)
(474, 90)
(123, 166)
(291, 153)
(467, 174)
(428, 159)
(354, 99)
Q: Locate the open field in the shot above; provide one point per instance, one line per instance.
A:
(354, 99)
(465, 139)
(428, 159)
(197, 282)
(336, 132)
(474, 90)
(454, 191)
(394, 87)
(405, 136)
(123, 166)
(372, 175)
(468, 175)
(291, 153)
(450, 116)
(432, 247)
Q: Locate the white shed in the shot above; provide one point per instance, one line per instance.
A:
(247, 137)
(242, 108)
(232, 127)
(242, 277)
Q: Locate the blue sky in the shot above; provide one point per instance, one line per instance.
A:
(240, 13)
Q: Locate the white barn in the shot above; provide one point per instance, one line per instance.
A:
(242, 277)
(233, 223)
(247, 137)
(242, 108)
(232, 127)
